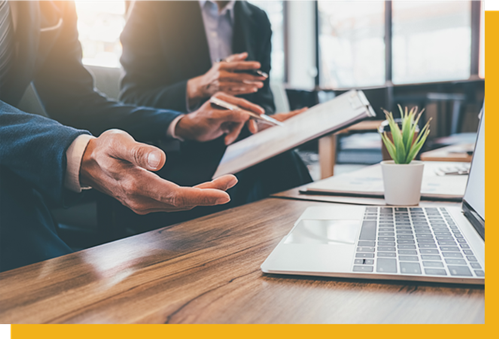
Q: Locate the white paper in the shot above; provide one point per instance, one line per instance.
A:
(369, 181)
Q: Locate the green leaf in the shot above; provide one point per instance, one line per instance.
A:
(389, 145)
(407, 136)
(400, 152)
(418, 143)
(416, 147)
(405, 146)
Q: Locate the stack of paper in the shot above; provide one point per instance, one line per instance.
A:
(368, 182)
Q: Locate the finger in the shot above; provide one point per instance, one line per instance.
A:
(240, 77)
(236, 89)
(226, 127)
(242, 103)
(222, 183)
(192, 196)
(298, 111)
(237, 57)
(146, 156)
(230, 116)
(239, 65)
(233, 134)
(286, 116)
(252, 126)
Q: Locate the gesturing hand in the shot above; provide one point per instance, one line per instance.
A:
(208, 123)
(225, 76)
(117, 165)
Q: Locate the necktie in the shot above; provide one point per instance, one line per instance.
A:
(6, 43)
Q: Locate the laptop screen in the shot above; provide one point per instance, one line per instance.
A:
(474, 198)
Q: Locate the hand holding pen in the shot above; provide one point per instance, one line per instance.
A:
(210, 121)
(234, 76)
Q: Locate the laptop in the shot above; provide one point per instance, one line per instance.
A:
(434, 244)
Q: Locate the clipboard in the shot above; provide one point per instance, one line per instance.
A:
(329, 117)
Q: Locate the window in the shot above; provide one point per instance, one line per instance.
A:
(351, 43)
(431, 41)
(99, 26)
(275, 12)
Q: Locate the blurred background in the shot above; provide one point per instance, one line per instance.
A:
(424, 53)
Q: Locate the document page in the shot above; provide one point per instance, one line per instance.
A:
(325, 118)
(369, 182)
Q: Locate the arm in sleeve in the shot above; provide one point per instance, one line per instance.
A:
(144, 77)
(66, 90)
(264, 96)
(34, 148)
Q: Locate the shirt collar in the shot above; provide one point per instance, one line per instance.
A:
(228, 8)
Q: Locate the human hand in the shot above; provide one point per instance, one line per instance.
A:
(282, 117)
(208, 123)
(225, 76)
(117, 165)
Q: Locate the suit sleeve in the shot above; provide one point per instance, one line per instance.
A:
(34, 148)
(264, 96)
(66, 90)
(143, 82)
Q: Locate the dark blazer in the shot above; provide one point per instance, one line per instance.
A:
(33, 148)
(164, 45)
(48, 54)
(32, 168)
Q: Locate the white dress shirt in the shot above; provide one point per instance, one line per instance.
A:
(219, 28)
(74, 155)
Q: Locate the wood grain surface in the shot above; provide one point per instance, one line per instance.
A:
(208, 271)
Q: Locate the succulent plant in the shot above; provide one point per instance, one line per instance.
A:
(403, 149)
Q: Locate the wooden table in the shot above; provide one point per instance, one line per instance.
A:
(208, 271)
(450, 153)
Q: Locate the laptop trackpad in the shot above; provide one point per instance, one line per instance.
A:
(314, 231)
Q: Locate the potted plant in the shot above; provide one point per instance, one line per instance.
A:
(402, 176)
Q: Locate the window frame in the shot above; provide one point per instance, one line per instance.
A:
(476, 7)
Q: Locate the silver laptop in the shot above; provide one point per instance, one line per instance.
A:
(436, 244)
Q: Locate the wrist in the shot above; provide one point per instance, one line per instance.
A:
(194, 92)
(87, 162)
(183, 129)
(74, 156)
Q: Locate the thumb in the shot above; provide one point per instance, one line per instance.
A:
(237, 57)
(146, 156)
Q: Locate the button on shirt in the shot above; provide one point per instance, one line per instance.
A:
(218, 28)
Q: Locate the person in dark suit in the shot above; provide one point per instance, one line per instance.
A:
(176, 54)
(41, 161)
(41, 164)
(172, 52)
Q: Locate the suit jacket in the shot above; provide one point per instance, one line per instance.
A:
(32, 168)
(164, 45)
(48, 54)
(33, 148)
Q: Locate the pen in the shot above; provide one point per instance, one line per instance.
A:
(264, 118)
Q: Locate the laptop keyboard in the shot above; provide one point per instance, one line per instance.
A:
(413, 241)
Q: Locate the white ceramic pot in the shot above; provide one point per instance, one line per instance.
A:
(402, 182)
